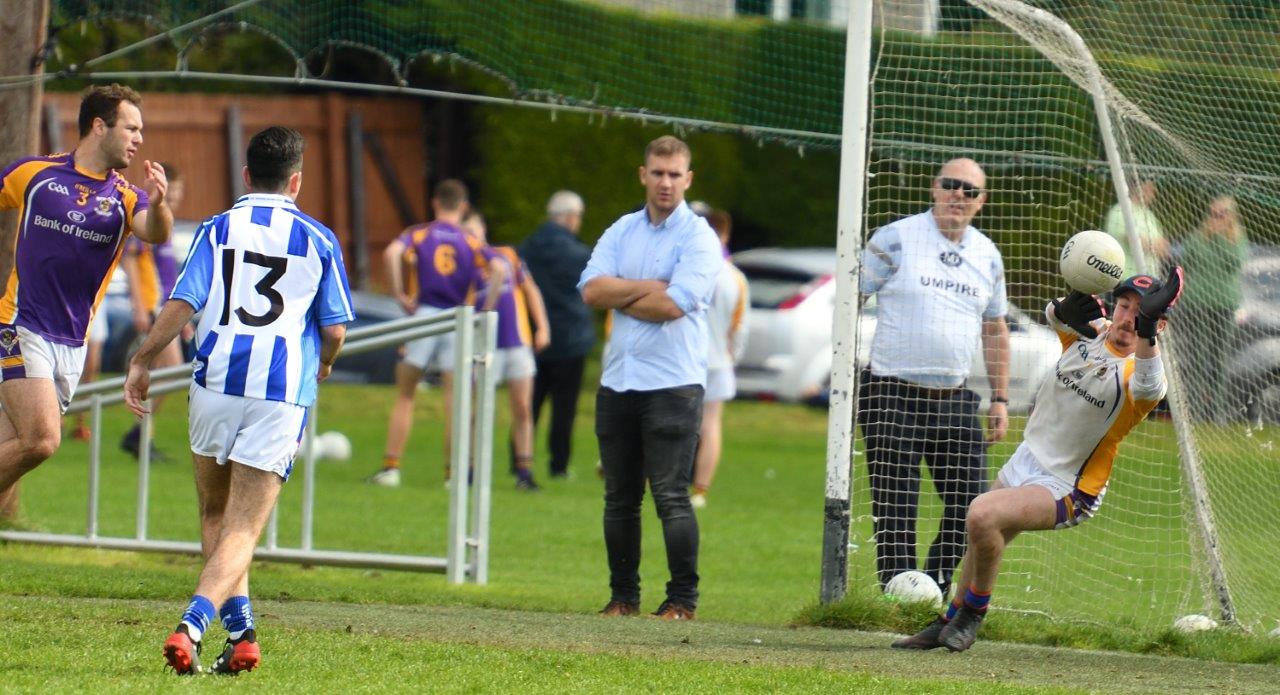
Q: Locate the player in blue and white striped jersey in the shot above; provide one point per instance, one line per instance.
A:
(273, 290)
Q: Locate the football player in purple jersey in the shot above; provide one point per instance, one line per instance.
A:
(75, 211)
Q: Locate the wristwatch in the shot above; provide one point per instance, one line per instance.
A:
(1000, 399)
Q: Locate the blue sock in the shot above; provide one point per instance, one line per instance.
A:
(197, 617)
(976, 601)
(953, 608)
(237, 616)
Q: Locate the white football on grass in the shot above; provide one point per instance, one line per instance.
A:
(1194, 623)
(914, 586)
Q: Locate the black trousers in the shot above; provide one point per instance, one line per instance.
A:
(649, 435)
(560, 378)
(903, 423)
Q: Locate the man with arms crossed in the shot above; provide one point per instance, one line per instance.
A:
(75, 211)
(940, 287)
(1102, 387)
(656, 269)
(273, 290)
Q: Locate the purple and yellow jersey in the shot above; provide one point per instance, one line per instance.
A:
(157, 269)
(513, 311)
(448, 263)
(72, 225)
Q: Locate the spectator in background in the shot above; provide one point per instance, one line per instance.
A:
(655, 268)
(1155, 247)
(513, 362)
(447, 267)
(556, 258)
(727, 336)
(1212, 259)
(940, 287)
(152, 270)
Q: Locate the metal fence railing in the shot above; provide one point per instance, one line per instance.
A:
(467, 556)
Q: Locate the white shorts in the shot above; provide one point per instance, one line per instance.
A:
(26, 355)
(1074, 507)
(98, 328)
(514, 363)
(257, 433)
(434, 349)
(721, 385)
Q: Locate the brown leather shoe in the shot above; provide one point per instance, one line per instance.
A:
(670, 610)
(618, 609)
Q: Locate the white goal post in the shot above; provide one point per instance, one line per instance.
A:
(1125, 117)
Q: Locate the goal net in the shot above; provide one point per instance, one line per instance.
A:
(1190, 89)
(1190, 93)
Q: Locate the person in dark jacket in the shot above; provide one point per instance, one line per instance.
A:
(556, 258)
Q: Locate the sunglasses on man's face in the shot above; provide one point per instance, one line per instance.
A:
(950, 184)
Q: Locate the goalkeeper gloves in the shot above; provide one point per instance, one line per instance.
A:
(1078, 310)
(1153, 305)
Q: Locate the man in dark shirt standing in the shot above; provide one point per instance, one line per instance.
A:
(556, 258)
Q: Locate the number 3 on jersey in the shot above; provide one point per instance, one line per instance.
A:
(445, 259)
(275, 265)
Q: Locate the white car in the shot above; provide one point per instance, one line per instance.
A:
(788, 353)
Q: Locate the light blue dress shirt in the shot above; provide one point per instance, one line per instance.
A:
(682, 251)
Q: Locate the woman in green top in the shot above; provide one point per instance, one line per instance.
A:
(1212, 258)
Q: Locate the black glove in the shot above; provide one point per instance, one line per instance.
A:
(1078, 310)
(1152, 307)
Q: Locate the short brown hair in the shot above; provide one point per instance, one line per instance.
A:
(171, 172)
(274, 154)
(103, 102)
(450, 194)
(668, 146)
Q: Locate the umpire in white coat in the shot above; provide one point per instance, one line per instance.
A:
(940, 291)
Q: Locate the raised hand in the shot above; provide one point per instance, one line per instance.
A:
(156, 184)
(1078, 310)
(1152, 307)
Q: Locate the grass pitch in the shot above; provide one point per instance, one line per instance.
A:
(75, 619)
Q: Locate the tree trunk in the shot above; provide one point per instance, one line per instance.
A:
(22, 24)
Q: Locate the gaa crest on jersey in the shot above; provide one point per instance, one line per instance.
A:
(951, 259)
(1102, 371)
(105, 206)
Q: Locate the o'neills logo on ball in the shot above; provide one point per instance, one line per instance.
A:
(1109, 268)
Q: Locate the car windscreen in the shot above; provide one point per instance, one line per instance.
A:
(773, 286)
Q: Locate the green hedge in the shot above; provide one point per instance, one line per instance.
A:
(754, 72)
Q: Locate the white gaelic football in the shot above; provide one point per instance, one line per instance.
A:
(914, 586)
(1194, 623)
(1092, 262)
(335, 446)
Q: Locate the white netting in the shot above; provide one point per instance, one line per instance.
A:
(1191, 92)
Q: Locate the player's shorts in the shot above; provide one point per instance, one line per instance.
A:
(433, 350)
(514, 363)
(1074, 507)
(27, 355)
(721, 385)
(255, 432)
(98, 328)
